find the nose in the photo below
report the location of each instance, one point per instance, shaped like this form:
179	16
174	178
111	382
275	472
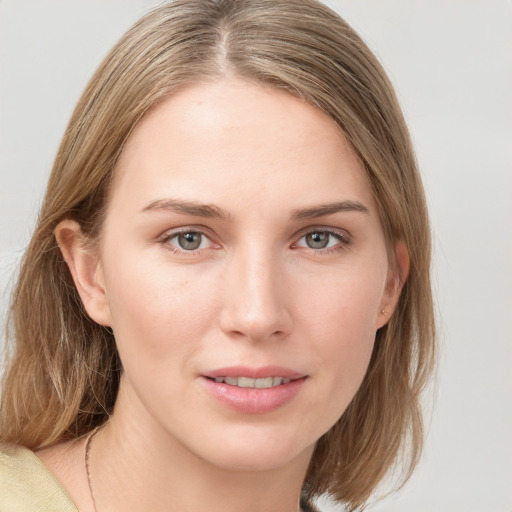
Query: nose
256	297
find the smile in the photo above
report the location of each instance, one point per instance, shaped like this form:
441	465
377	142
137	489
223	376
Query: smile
257	394
248	382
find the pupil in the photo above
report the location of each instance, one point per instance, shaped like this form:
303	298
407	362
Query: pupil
189	241
317	240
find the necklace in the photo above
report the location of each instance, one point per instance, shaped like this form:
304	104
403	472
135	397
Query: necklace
86	460
303	505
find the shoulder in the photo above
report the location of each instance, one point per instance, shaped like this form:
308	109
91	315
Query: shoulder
27	485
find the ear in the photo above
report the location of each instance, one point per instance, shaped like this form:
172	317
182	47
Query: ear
397	275
86	270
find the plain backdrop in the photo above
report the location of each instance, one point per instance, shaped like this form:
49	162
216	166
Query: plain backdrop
450	61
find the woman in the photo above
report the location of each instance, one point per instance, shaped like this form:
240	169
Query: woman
226	302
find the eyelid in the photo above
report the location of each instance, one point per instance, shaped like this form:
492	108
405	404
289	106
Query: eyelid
193	228
343	233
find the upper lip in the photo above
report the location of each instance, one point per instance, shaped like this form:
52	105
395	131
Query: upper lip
261	372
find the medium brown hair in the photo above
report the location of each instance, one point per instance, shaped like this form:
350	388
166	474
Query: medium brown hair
63	371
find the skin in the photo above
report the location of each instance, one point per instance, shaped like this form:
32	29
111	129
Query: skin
254	293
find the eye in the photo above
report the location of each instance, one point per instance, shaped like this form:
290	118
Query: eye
322	239
318	239
187	241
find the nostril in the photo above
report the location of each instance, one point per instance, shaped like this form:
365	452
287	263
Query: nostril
256	335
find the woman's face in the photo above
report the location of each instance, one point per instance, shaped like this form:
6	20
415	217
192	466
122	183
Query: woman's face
241	247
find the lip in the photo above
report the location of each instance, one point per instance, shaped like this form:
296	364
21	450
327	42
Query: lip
254	373
252	400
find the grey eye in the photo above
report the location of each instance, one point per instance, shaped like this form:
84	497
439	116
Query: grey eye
190	241
317	239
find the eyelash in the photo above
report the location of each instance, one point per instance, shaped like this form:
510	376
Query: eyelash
344	240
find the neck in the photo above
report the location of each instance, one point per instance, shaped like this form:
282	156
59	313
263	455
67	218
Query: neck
137	466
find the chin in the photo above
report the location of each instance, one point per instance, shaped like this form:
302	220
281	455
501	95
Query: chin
265	451
254	462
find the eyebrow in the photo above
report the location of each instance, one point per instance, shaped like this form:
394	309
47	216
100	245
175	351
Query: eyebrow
187	208
211	211
328	209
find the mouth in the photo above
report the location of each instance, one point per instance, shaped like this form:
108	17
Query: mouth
248	382
254	390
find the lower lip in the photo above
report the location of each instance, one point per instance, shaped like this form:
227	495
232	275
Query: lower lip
252	400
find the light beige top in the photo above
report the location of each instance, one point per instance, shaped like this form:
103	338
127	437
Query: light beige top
26	485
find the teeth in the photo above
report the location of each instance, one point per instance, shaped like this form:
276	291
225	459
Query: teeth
276	381
247	382
264	383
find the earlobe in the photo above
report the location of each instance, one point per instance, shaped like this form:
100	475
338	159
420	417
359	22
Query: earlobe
85	268
396	279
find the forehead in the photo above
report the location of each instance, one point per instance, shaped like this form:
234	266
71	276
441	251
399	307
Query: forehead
233	139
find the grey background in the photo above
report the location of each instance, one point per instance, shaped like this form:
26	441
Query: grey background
450	61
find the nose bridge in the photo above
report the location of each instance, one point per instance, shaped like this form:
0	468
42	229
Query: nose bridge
255	305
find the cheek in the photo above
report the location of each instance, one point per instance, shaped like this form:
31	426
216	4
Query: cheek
344	304
340	321
158	312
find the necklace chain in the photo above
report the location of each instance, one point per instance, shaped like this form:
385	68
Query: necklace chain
88	444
